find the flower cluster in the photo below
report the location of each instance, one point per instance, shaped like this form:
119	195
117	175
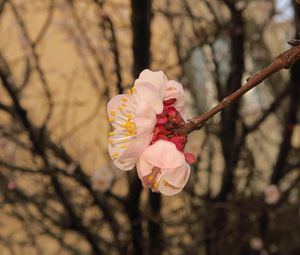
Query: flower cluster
144	121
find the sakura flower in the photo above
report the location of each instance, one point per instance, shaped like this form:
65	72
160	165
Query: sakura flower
256	243
102	178
71	168
144	121
11	185
272	195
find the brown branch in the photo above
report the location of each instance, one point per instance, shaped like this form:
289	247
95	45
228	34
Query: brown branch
37	62
107	24
284	61
2	4
46	25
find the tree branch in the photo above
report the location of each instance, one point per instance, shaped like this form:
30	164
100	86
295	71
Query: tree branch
283	61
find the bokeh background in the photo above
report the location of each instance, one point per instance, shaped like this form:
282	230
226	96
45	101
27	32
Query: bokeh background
60	63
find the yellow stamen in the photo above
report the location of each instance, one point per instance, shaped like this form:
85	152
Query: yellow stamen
110	141
150	177
170	89
124	105
116	154
113	113
111	133
120	108
129	92
128	115
123	146
111	119
130	127
124	99
155	185
133	89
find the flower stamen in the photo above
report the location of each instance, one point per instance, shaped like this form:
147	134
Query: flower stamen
116	154
123	140
150	177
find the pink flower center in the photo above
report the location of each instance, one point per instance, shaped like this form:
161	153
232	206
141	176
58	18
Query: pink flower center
166	122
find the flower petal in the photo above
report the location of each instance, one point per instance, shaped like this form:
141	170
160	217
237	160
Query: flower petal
163	154
157	79
168	190
145	118
146	92
143	168
136	147
125	157
147	173
173	181
115	152
175	90
177	177
118	107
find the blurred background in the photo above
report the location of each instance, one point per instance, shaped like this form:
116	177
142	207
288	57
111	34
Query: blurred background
60	63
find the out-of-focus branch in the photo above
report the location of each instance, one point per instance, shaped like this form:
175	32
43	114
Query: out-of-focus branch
2	4
108	24
37	63
291	116
272	108
90	47
141	37
6	78
5	108
284	61
40	143
46	24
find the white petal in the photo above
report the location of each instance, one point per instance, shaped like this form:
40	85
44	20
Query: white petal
168	190
126	158
157	79
164	154
172	182
113	109
175	90
177	177
136	147
115	152
143	168
146	92
145	118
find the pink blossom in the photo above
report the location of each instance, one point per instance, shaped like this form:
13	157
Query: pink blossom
272	195
144	121
102	178
11	185
256	243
